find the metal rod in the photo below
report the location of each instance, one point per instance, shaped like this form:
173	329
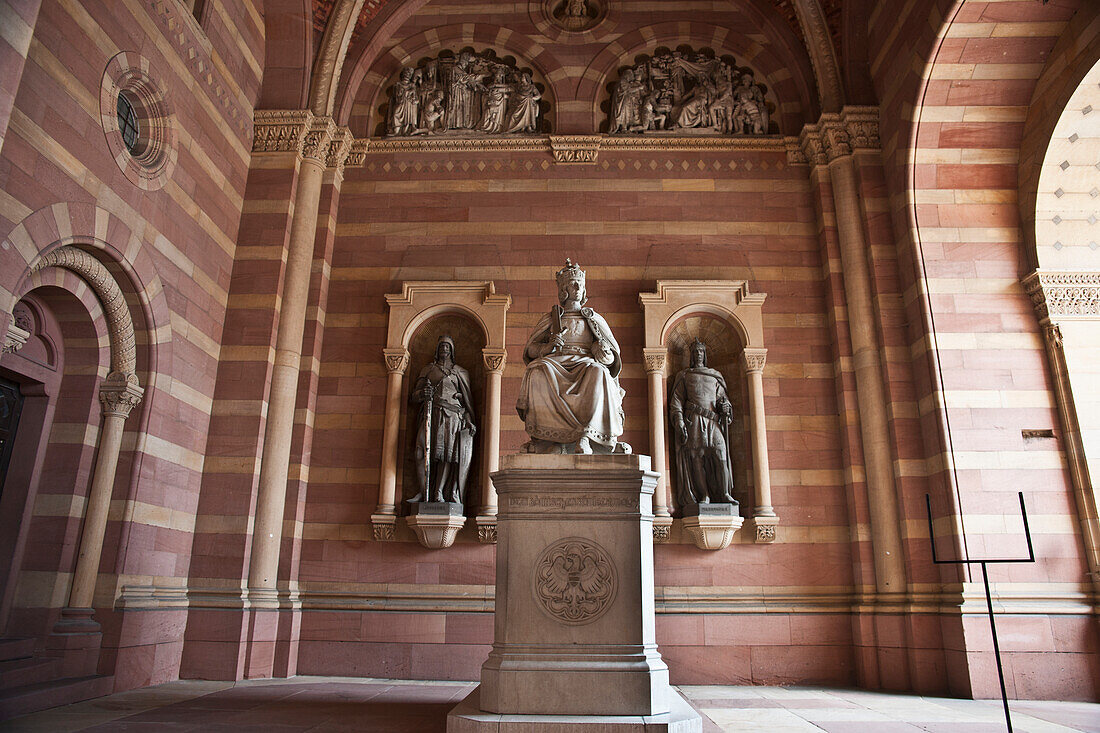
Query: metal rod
996	648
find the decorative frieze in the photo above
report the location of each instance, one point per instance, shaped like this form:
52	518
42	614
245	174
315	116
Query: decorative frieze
1064	295
280	130
582	149
689	93
468	94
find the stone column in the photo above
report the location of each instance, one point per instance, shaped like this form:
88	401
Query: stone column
118	394
763	514
494	369
655	360
279	430
385	517
832	141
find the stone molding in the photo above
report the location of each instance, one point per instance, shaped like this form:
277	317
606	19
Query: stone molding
120	327
1064	295
952	600
836	135
573	149
823	56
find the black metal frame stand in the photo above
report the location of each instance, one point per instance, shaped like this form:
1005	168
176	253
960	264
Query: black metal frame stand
988	598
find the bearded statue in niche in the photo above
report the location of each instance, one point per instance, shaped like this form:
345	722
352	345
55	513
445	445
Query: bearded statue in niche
700	414
689	94
444	428
464	96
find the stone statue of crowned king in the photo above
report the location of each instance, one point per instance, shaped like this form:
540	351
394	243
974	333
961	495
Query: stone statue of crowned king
570	400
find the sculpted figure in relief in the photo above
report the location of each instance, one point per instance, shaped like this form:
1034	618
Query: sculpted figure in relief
690	94
468	95
444	428
570	399
699	416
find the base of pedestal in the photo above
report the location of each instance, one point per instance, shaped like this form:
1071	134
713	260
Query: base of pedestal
467	717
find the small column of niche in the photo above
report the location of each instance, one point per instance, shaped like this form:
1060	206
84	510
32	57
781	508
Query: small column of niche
418	303
666	312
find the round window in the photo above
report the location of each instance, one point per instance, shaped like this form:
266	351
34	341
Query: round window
128	124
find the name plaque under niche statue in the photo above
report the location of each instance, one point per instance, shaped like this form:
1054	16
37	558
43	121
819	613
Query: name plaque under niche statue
574	627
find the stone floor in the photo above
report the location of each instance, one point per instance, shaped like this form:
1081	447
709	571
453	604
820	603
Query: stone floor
331	704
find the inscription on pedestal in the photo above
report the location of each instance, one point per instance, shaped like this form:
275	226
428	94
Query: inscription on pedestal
575	581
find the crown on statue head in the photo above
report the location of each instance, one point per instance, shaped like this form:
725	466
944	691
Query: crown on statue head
570	272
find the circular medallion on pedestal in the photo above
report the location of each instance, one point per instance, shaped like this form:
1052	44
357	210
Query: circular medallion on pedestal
575	581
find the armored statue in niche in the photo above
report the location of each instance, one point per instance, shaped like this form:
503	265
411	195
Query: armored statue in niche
444	428
699	417
686	93
471	94
570	400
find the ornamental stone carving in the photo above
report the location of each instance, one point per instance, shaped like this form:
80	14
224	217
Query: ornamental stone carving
1064	294
397	360
465	95
575	581
688	93
120	327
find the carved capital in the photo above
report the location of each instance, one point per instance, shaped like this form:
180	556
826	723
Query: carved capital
1064	295
397	360
836	141
655	359
575	149
494	360
357	154
15	337
384	527
280	130
863	134
765	533
765	525
119	394
318	139
339	148
662	533
813	149
795	154
755	359
487	533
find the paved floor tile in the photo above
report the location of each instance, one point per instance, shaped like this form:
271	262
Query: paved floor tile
351	705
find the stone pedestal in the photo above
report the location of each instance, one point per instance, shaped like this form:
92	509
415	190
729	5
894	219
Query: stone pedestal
712	526
574	625
436	523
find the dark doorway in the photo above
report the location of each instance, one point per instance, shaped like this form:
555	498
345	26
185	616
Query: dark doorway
11	404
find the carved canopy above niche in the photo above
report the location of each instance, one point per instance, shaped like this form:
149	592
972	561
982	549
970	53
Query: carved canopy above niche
688	92
464	94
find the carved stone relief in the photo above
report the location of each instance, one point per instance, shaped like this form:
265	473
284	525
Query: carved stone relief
576	16
468	94
575	581
688	93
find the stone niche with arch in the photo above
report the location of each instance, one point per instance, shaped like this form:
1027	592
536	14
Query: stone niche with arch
473	314
726	316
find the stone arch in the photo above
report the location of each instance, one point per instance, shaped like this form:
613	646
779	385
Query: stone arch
288	51
1062	128
773	64
372	82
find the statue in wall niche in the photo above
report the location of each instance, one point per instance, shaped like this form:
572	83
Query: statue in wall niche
444	428
689	94
699	417
468	95
570	400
